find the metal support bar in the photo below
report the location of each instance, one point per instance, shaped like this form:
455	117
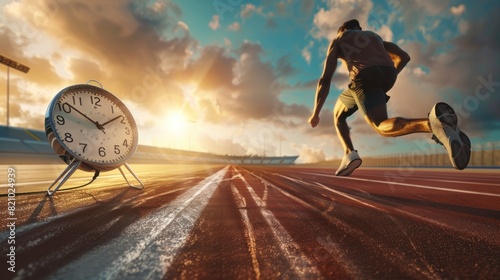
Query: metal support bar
72	167
133	174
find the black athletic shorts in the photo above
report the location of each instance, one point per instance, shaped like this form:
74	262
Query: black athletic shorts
368	89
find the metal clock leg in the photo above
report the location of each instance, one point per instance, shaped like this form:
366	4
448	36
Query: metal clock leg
72	167
133	174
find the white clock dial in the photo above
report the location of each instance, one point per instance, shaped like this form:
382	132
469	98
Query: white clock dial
93	126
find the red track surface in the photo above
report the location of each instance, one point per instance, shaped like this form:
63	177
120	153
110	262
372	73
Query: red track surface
263	222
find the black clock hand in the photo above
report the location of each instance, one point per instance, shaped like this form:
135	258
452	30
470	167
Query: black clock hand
99	126
91	120
113	119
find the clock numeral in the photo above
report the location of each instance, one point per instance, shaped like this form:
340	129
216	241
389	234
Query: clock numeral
60	120
127	130
64	107
79	99
84	146
112	109
95	101
102	151
68	137
123	120
125	143
117	149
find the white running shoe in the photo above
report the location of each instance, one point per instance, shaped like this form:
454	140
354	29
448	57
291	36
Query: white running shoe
350	162
444	126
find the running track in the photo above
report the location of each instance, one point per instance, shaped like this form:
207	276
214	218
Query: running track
257	222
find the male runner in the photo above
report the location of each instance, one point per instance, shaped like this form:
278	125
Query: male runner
373	66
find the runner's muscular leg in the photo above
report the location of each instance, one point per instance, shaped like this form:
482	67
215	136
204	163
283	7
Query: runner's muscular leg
397	126
340	120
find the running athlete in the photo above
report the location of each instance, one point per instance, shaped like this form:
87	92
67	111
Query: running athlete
373	66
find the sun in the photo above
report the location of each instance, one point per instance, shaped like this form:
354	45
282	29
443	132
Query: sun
176	121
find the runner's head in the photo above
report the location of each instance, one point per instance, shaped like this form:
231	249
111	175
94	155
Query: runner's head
349	25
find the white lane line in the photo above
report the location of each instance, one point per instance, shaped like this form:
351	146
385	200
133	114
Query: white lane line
147	248
333	191
337	250
299	263
465	182
331	247
238	198
406	185
328	189
434	179
264	196
418	216
249	233
349	197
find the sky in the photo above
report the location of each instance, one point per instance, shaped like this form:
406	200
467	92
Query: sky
239	77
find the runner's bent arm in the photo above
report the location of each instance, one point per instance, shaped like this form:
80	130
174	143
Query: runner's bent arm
400	57
324	83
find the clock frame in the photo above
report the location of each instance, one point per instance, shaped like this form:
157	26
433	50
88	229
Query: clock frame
92	130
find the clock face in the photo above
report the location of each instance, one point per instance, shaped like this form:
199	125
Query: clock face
93	125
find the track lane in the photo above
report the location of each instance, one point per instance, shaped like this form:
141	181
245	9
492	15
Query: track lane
453	224
344	226
259	222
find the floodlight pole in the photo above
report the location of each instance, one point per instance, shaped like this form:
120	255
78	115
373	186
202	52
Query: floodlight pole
16	65
8	87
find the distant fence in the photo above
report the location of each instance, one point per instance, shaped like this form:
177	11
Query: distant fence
484	155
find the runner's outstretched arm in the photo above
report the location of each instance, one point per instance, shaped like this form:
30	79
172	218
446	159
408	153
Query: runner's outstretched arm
323	88
400	57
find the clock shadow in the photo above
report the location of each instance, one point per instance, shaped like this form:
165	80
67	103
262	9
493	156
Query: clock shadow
38	209
48	203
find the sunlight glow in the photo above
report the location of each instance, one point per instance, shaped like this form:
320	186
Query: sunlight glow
176	121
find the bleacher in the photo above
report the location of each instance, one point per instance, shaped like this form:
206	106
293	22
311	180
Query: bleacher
26	142
286	160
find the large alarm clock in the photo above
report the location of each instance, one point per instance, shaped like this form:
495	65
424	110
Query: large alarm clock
90	125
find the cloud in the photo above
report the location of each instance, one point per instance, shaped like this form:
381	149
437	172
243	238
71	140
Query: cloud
419	72
249	9
460	76
132	56
411	20
214	24
145	53
235	26
150	59
212	70
308	154
328	21
440	70
256	84
161	14
284	66
182	27
386	33
457	10
306	52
